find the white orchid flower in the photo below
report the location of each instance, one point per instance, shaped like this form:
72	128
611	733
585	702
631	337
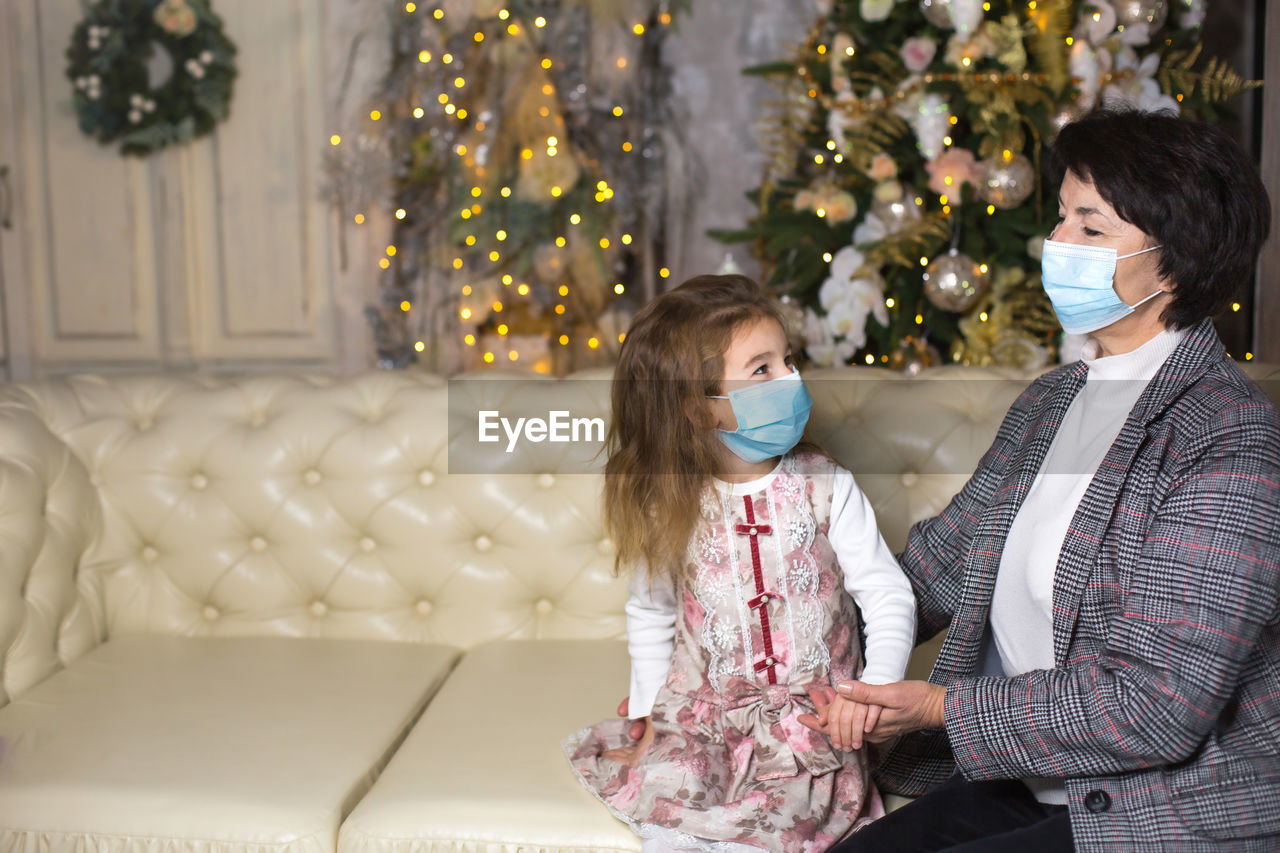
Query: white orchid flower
1099	19
1139	88
870	230
821	343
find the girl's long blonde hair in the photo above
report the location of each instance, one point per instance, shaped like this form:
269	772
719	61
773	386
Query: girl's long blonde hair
662	448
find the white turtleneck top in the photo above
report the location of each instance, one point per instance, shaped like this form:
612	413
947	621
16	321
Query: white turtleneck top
1022	606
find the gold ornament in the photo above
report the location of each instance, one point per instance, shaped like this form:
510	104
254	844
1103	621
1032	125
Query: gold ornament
175	17
1018	349
913	355
953	282
1150	12
1007	180
1011	326
898	213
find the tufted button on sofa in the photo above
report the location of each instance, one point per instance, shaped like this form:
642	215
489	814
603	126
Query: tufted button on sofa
294	613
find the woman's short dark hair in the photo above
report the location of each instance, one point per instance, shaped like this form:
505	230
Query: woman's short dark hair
1187	185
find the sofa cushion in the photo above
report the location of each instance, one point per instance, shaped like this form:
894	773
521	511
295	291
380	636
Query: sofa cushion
169	744
483	771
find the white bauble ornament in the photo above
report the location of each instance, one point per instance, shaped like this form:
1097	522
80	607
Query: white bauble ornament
1007	183
1191	12
954	282
1149	12
938	12
1062	117
964	16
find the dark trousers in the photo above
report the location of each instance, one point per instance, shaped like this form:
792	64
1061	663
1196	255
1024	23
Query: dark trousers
968	817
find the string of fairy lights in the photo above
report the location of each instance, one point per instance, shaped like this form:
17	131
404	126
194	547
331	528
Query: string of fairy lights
500	295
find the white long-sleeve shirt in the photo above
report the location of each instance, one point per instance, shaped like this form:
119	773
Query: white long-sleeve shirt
1022	605
872	577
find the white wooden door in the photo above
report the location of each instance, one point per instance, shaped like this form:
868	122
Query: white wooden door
212	256
83	217
259	230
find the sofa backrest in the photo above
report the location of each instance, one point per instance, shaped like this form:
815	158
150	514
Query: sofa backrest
305	505
302	506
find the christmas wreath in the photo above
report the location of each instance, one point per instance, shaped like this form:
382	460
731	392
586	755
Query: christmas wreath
150	73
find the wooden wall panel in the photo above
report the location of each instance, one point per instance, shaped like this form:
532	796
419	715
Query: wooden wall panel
89	252
260	230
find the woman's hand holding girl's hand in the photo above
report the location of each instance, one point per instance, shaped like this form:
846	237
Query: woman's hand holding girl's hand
843	720
906	706
630	755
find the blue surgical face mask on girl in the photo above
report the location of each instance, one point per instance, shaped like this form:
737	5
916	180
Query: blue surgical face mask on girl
1080	282
771	417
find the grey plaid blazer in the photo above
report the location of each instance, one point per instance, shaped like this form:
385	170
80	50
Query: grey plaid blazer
1162	711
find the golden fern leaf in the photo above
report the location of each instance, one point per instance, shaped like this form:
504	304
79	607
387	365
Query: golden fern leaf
1001	109
891	68
1024	91
920	239
873	134
887	128
865	81
1047	32
1220	82
781	133
1175	74
1216	82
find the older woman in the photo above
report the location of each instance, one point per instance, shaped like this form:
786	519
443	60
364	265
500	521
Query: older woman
1110	575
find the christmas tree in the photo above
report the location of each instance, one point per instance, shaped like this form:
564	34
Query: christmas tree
903	210
526	150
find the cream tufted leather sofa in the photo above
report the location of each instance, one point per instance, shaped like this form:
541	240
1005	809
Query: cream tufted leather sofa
272	613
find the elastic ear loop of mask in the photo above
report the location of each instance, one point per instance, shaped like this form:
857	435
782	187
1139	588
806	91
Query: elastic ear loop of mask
794	372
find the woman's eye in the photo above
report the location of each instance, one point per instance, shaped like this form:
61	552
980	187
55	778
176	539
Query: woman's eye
1089	232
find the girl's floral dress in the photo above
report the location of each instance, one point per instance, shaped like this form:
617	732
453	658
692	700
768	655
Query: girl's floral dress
764	618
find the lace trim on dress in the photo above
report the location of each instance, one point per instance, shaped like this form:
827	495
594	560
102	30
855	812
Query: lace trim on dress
713	590
801	577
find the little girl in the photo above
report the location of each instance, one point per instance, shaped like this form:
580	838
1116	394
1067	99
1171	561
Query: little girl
750	550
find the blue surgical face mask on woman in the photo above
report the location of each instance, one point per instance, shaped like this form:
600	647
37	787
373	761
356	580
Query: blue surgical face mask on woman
771	417
1080	282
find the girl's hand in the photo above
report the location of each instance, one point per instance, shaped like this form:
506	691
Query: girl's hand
630	755
848	721
636	730
822	698
837	718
